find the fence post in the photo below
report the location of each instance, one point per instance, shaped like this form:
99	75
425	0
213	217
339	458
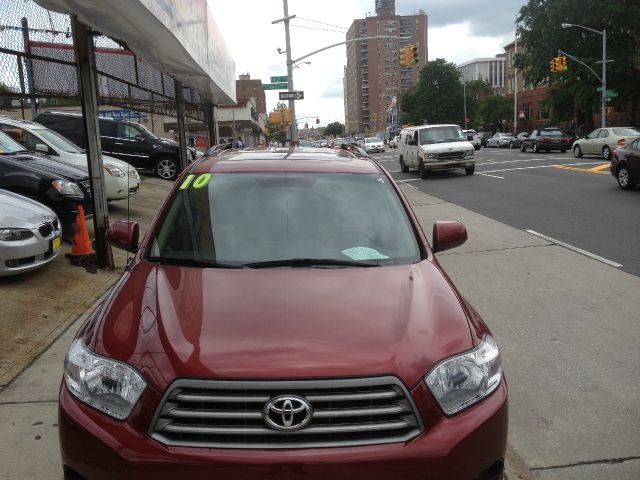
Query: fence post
29	69
86	70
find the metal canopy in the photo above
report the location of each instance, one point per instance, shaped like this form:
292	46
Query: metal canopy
178	37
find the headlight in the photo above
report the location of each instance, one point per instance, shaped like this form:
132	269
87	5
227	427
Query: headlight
15	234
66	188
108	385
467	378
432	155
114	171
468	153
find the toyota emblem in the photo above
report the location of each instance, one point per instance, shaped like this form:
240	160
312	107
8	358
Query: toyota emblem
287	413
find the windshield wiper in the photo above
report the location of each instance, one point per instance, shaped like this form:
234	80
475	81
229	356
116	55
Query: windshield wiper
11	153
194	262
311	262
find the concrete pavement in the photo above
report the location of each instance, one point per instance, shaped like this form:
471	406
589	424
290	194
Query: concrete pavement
566	325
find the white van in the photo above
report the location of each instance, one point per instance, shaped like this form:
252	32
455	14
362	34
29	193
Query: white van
435	147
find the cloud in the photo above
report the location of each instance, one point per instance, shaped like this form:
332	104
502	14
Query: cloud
333	90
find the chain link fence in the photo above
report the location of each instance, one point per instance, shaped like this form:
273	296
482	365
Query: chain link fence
37	69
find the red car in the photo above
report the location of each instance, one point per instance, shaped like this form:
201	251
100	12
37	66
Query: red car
284	317
625	164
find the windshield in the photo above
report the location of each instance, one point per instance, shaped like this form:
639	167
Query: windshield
57	141
625	131
372	140
9	145
450	133
148	132
240	218
551	133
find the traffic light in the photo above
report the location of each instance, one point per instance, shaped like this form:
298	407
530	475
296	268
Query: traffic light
562	64
403	56
317	120
553	65
414	54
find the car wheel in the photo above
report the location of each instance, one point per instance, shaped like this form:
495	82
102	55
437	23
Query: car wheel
606	152
577	151
523	148
470	170
403	166
624	180
535	148
477	147
422	170
167	168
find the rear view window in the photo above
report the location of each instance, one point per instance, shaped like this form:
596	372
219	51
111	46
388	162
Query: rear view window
253	217
625	131
551	133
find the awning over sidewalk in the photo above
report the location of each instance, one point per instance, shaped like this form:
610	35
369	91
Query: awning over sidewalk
178	37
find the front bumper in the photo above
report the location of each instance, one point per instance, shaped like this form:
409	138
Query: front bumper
446	164
462	447
25	255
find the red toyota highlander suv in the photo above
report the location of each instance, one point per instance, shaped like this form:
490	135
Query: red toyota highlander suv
284	318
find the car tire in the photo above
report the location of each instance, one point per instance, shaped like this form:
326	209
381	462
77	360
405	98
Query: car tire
606	152
523	148
577	151
167	168
403	166
535	148
470	170
422	171
623	177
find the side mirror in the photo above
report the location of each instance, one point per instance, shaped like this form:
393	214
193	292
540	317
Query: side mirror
448	235
41	147
123	235
140	138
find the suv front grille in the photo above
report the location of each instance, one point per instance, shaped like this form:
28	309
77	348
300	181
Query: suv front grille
448	155
229	414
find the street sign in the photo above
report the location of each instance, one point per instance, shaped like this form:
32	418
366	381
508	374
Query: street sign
599	89
279	79
275	86
295	95
612	93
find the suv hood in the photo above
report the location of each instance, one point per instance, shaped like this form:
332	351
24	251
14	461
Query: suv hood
170	322
45	165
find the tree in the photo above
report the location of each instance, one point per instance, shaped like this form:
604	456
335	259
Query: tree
494	110
477	92
437	97
334	129
541	36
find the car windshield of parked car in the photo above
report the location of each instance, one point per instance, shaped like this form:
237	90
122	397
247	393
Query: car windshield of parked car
9	145
625	131
551	133
243	218
372	140
57	141
441	134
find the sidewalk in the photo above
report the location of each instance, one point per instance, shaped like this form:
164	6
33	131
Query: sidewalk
568	330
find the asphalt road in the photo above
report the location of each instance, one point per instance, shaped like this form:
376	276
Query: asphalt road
572	200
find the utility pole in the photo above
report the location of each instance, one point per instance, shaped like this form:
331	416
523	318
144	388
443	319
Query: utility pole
515	88
29	66
292	103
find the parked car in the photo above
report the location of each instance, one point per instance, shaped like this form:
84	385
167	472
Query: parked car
484	136
545	140
393	142
128	141
373	144
517	140
500	139
305	143
474	138
625	164
318	373
30	234
603	141
120	178
570	134
58	186
435	147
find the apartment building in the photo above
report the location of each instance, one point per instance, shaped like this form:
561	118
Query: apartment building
374	76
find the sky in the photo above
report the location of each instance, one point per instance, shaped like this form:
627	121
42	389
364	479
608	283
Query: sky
457	30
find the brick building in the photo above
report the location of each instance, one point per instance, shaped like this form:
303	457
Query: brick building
374	76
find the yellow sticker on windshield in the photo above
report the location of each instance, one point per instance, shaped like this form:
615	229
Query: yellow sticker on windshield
199	182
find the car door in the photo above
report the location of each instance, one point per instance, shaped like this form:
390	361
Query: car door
130	145
601	141
633	160
589	145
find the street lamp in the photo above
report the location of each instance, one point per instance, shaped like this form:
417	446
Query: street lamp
604	66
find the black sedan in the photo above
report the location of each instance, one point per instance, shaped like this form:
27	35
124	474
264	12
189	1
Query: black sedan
545	140
58	186
625	164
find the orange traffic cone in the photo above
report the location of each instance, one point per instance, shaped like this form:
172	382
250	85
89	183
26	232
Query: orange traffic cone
81	251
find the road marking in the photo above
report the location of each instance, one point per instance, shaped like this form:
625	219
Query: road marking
529	168
597	169
409	180
493	176
575	249
525	160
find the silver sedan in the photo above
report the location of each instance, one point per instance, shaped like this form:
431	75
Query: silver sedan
500	139
30	234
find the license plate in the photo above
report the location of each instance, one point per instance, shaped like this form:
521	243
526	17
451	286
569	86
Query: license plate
55	243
